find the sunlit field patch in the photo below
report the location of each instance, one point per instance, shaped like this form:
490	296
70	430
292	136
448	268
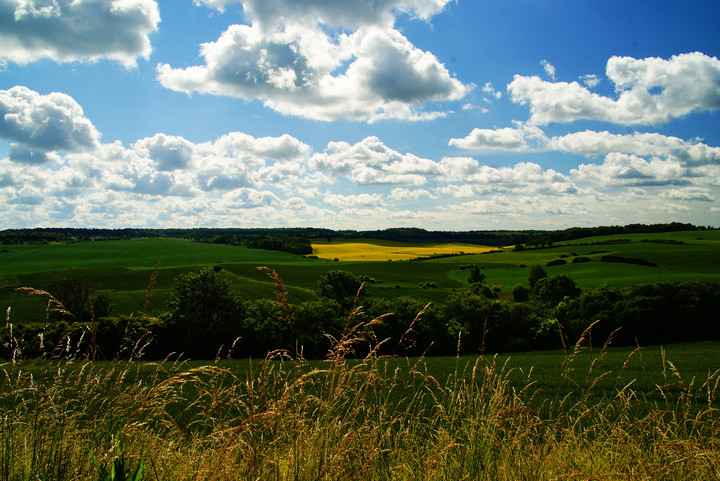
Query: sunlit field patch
378	250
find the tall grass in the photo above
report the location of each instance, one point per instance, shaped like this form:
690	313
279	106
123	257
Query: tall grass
284	418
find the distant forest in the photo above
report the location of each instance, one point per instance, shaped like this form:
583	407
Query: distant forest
297	239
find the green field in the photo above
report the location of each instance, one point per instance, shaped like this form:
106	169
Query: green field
123	268
557	374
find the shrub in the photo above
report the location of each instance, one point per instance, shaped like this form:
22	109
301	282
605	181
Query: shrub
580	259
627	260
484	291
556	262
520	293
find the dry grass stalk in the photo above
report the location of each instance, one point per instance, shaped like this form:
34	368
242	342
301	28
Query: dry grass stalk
151	284
350	418
409	331
59	307
282	299
339	420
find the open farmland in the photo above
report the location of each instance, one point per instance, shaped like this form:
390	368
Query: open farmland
680	257
122	268
353	250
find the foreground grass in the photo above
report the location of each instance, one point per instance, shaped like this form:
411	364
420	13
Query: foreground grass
362	419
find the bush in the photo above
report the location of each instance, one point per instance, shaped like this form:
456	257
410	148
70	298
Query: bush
580	259
520	293
483	290
556	262
628	260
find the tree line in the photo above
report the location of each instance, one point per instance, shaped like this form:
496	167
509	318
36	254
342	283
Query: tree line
206	319
400	234
573	233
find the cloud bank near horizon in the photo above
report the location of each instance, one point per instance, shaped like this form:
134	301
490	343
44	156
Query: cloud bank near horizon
348	63
59	171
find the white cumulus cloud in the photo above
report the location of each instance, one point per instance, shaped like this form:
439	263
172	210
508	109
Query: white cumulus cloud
620	169
590	80
371	162
649	91
71	30
353	200
521	138
168	152
641	144
287	59
348	13
37	125
490	90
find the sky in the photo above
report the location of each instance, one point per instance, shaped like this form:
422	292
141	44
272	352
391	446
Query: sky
350	114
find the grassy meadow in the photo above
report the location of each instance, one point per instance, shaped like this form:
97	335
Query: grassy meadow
122	268
609	414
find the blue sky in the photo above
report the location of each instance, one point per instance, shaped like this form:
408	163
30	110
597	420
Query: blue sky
440	114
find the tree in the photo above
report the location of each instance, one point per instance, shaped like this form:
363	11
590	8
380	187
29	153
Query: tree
76	297
520	293
341	286
552	290
315	321
477	283
488	325
102	307
264	328
475	275
204	312
480	289
536	273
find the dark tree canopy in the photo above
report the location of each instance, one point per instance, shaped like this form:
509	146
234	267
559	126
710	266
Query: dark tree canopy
552	290
202	302
520	293
340	286
76	297
475	275
536	273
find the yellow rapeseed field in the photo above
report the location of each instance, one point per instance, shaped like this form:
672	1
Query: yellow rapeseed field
378	250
